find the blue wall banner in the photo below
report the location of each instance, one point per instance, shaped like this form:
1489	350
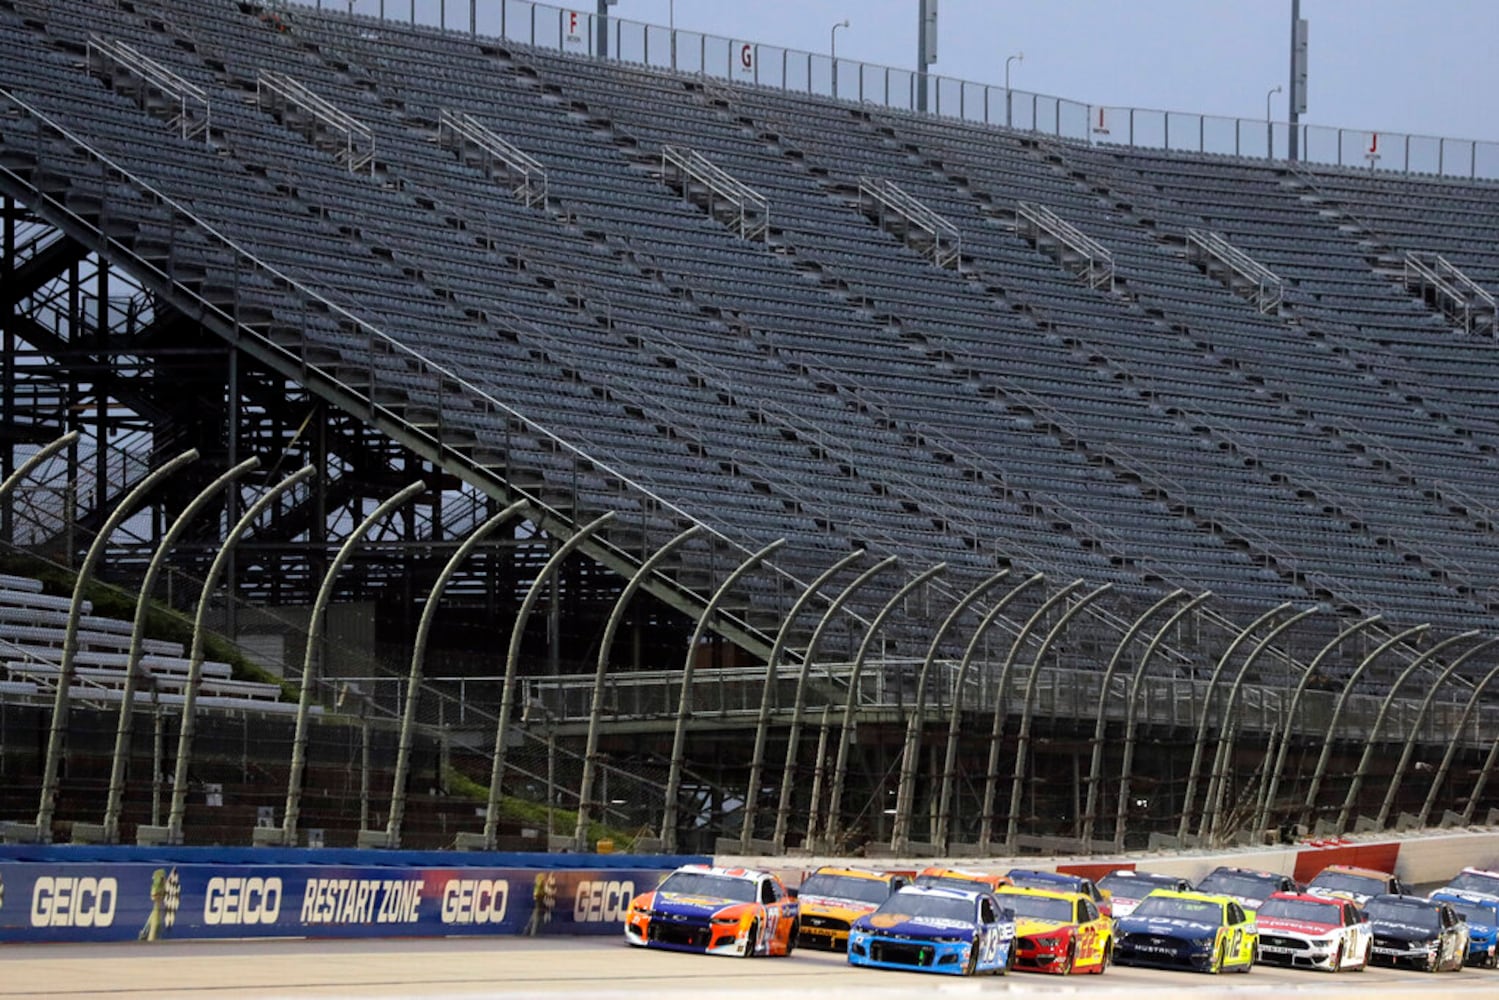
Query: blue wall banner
90	901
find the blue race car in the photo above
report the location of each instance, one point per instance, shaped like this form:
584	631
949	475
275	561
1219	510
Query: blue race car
1482	914
958	932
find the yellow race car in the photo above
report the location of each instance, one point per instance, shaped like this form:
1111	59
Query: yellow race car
832	898
1058	932
1187	930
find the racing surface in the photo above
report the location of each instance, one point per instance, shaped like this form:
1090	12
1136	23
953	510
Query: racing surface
606	968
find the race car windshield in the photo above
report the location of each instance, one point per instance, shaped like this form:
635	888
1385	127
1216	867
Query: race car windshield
919	905
740	890
1199	911
866	890
1300	909
1234	884
1038	880
1135	886
1410	914
1475	882
1040	907
1343	882
1476	913
950	882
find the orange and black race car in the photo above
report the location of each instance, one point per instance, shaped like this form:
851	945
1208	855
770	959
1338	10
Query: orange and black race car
832	898
938	877
715	911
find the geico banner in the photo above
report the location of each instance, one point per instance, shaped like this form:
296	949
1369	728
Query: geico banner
127	901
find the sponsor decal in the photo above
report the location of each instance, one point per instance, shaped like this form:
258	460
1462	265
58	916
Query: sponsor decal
74	902
602	901
360	901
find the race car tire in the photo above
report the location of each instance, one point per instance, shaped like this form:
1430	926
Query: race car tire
751	939
1218	958
1066	967
972	965
1108	957
1337	961
791	940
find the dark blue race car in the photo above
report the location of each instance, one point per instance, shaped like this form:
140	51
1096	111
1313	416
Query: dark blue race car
959	932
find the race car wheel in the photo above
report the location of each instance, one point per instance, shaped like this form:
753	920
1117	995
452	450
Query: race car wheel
750	939
1108	956
791	940
972	965
1337	960
1066	967
1217	964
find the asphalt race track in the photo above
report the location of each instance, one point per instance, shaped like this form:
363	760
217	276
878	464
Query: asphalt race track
605	968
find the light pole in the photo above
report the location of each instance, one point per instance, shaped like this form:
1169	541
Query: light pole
833	52
1269	128
671	29
1017	57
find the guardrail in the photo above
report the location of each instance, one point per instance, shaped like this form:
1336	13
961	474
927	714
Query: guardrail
745	61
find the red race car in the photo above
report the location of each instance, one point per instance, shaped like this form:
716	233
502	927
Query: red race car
715	911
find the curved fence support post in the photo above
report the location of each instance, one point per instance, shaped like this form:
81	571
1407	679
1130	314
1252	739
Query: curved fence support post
60	704
1310	805
1023	739
391	837
1218	781
684	701
1357	783
900	836
767	692
172	833
310	671
486	840
41	455
1095	766
996	730
840	769
596	703
1451	752
114	804
943	833
1410	743
1121	807
1207	704
1272	776
783	808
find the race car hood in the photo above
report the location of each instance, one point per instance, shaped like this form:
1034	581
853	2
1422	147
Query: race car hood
915	927
1286	925
834	906
1166	927
1031	926
1404	932
691	906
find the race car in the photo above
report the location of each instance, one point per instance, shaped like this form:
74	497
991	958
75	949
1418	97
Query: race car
960	878
1313	932
1059	932
1127	886
1186	930
1357	884
1246	886
832	898
1063	882
1424	934
1482	915
715	911
959	932
1475	882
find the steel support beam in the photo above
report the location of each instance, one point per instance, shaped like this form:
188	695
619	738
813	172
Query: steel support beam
684	701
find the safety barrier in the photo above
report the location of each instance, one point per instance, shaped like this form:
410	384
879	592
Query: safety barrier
98	894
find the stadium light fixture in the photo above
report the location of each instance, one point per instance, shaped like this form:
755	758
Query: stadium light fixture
833	52
1009	104
1269	128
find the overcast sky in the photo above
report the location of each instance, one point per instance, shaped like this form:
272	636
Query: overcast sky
1419	66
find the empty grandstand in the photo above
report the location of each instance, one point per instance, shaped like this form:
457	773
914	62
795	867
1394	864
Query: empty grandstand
846	475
